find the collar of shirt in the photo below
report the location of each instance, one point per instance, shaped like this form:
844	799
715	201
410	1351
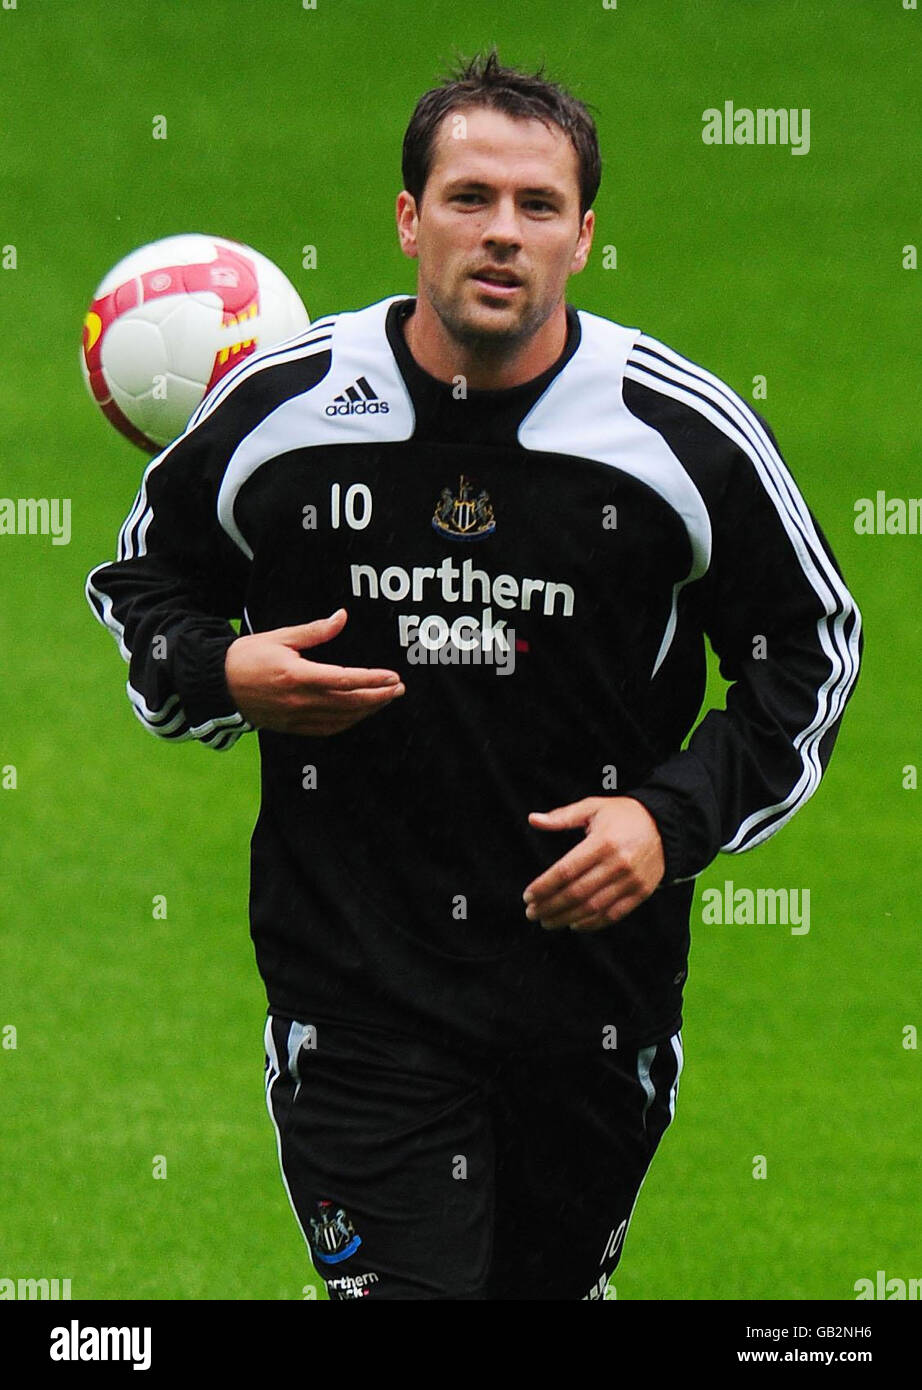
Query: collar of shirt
480	416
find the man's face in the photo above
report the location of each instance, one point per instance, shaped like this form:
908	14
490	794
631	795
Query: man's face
498	230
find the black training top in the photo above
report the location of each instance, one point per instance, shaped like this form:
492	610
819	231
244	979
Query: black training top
540	564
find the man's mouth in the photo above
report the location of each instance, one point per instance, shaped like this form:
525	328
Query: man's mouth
497	281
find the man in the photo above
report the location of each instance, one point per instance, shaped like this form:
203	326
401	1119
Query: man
479	832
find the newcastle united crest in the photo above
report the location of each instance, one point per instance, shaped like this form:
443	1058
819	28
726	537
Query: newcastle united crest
333	1236
467	516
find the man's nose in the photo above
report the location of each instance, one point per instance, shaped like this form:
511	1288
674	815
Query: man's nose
502	226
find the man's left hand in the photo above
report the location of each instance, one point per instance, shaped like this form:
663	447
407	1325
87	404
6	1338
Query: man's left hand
617	866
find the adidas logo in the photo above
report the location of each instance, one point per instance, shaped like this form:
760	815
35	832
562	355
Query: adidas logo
357	399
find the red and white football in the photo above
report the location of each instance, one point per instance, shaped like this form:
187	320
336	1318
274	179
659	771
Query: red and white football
173	318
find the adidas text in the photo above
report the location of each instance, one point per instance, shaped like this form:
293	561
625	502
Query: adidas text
357	408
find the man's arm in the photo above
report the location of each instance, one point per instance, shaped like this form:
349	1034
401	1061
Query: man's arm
169	596
787	633
788	636
178	581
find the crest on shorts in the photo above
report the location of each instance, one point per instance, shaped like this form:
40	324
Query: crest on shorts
466	515
333	1236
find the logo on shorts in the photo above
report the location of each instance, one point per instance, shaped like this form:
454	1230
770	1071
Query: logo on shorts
333	1236
603	1288
465	517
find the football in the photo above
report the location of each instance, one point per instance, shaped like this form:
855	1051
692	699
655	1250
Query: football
170	320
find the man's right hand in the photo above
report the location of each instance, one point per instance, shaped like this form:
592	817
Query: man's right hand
275	688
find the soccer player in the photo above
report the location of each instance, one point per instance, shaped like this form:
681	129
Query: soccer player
479	833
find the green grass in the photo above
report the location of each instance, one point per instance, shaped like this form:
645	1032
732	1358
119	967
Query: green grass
140	1037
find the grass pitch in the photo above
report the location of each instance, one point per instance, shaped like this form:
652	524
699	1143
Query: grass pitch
140	1038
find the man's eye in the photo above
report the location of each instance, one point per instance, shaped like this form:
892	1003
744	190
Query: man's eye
539	205
467	198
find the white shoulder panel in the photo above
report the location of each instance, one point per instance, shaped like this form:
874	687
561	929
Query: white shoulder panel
582	413
363	375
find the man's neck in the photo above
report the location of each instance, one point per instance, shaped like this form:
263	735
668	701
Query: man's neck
446	359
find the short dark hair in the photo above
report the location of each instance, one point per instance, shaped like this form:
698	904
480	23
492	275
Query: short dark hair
483	81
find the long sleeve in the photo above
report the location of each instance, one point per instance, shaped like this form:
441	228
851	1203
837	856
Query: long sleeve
179	578
787	633
168	597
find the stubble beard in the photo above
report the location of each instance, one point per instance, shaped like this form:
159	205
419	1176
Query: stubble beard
491	344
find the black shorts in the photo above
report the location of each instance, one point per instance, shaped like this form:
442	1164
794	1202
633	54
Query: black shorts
415	1173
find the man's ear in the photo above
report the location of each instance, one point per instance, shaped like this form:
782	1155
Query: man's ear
407	223
584	244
